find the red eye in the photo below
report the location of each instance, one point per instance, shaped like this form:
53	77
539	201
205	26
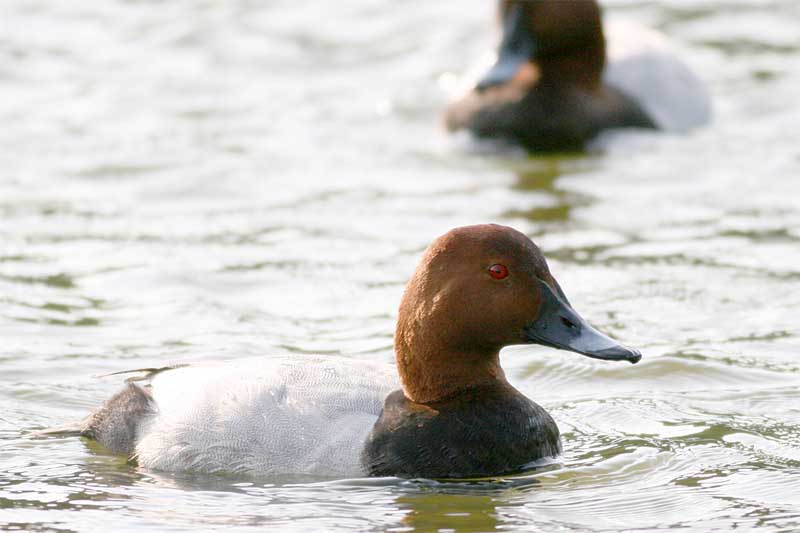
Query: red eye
498	271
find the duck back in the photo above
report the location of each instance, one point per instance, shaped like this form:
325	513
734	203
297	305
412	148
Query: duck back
264	416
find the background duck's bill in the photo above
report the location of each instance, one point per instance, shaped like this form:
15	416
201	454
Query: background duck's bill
516	47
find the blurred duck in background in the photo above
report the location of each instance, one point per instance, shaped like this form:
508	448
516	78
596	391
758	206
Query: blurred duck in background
560	78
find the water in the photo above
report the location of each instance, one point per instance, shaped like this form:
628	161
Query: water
203	180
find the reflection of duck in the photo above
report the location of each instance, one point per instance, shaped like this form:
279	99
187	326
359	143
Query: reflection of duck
464	505
464	511
476	290
551	87
551	201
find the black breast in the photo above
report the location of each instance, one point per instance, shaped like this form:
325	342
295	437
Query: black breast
481	432
556	118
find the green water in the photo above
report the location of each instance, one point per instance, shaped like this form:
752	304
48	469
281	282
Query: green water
202	180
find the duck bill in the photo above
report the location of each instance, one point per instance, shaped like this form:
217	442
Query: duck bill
559	326
516	48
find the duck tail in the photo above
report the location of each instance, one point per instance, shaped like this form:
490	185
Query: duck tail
71	429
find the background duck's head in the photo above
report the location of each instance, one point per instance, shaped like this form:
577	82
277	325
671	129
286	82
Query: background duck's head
563	39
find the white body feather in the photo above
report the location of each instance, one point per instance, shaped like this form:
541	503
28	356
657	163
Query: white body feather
643	65
265	415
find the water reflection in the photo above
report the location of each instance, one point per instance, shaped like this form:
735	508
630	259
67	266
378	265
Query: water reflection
542	175
460	506
61	487
436	512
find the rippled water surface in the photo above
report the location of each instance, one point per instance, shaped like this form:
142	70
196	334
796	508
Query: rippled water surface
196	180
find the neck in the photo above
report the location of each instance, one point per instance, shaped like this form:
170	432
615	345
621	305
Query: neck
430	373
583	68
570	42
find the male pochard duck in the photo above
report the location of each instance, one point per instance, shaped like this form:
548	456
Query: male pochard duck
452	413
552	87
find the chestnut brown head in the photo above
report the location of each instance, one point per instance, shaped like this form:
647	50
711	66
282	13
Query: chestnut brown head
476	290
563	38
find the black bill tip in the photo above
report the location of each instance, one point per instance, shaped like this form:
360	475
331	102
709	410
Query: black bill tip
618	353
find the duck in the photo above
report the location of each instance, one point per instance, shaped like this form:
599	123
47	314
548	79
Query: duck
444	410
557	82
